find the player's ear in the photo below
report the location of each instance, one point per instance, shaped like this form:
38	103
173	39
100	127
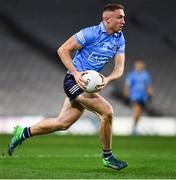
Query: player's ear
106	19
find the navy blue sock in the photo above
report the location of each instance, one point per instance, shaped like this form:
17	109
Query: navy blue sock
107	153
26	133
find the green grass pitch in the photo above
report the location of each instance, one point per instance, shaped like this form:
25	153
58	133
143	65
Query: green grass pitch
79	157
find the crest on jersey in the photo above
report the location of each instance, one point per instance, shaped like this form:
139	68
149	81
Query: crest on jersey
115	47
105	45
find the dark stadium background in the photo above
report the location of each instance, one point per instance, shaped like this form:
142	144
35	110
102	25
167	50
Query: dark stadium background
31	78
32	74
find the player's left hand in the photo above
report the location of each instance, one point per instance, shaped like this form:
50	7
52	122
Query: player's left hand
103	84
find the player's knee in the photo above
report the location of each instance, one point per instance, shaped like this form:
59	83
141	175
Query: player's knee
108	115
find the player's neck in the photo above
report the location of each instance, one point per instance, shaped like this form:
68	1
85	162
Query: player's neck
109	30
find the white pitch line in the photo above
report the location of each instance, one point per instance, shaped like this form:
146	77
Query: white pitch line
55	156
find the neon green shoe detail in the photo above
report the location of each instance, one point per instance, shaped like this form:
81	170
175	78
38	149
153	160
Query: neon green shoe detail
16	140
114	163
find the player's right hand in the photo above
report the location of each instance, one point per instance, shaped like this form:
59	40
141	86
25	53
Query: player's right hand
79	80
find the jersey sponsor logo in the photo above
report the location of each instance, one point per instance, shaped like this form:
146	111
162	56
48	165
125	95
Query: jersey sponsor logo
99	57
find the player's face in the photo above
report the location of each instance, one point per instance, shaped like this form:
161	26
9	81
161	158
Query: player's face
116	20
139	66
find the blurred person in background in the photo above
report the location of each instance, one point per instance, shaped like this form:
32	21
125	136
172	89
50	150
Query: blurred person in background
138	91
94	47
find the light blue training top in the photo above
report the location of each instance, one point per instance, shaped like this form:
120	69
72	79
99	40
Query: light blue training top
98	47
138	83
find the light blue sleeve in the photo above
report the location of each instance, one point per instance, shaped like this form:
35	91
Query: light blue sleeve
85	36
121	49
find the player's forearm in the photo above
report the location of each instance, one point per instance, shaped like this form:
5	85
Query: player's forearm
150	91
116	74
66	59
118	67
